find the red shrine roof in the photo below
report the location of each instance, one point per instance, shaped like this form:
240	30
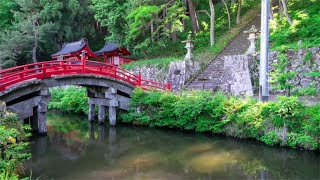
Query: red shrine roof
74	49
113	49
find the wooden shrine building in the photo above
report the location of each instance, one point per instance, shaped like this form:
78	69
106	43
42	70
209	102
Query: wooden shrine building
112	53
73	51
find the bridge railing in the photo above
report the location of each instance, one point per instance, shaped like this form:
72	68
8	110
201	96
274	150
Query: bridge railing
47	69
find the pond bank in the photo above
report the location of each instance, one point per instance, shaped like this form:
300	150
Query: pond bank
284	122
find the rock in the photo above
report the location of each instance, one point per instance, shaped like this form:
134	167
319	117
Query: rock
3	109
305	82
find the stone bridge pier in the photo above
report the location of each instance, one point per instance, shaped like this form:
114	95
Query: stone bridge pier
105	99
33	110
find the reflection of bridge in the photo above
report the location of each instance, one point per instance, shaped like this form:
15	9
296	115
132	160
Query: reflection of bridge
25	89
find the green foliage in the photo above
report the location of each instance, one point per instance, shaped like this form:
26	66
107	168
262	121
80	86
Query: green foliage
302	140
6	15
70	99
305	27
13	145
271	138
282	77
203	111
310	90
111	14
157	62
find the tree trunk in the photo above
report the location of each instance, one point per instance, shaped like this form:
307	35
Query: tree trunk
229	19
212	19
285	11
193	16
271	11
280	10
174	36
35	46
239	12
152	31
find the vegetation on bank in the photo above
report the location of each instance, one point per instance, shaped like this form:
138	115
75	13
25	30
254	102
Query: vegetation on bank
284	122
13	145
69	99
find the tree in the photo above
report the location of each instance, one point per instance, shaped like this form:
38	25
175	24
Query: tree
212	24
112	15
239	12
285	11
228	13
193	16
30	21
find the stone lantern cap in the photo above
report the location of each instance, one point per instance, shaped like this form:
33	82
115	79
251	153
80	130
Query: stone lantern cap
252	30
188	41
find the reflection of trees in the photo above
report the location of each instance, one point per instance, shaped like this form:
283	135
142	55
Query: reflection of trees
134	151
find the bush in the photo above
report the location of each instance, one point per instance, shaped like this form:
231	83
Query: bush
203	111
13	145
271	138
69	99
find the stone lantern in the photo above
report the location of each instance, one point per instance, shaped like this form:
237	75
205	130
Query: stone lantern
189	46
253	34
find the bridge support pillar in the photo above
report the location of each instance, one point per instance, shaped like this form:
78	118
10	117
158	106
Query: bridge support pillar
103	98
91	115
42	109
111	94
101	114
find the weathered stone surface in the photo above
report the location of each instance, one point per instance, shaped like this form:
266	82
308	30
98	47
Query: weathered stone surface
298	62
177	73
237	74
180	72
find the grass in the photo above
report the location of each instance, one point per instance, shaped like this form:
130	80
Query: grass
157	62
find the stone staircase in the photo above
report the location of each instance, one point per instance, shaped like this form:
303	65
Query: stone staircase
212	78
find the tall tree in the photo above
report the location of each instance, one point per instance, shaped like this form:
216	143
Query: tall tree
112	15
228	13
285	11
193	16
239	12
212	23
29	21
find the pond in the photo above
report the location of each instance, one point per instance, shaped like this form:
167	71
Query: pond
75	149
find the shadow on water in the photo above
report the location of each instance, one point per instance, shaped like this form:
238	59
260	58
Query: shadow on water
75	149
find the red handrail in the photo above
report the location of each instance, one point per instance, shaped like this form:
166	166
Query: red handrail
48	69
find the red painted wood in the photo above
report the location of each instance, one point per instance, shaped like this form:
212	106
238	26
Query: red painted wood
48	69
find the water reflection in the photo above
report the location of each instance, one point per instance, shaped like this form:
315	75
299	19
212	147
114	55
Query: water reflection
75	149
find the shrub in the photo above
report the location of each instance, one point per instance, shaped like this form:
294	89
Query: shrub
271	138
71	98
13	146
203	111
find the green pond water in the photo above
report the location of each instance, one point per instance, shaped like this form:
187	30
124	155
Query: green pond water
75	149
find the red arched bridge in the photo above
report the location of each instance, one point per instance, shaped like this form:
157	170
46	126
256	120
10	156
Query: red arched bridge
48	69
25	89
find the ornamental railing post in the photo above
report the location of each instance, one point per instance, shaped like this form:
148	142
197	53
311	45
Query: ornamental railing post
44	70
139	81
83	61
115	71
168	86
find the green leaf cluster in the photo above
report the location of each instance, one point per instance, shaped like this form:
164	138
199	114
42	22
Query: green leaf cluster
284	122
13	145
69	99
